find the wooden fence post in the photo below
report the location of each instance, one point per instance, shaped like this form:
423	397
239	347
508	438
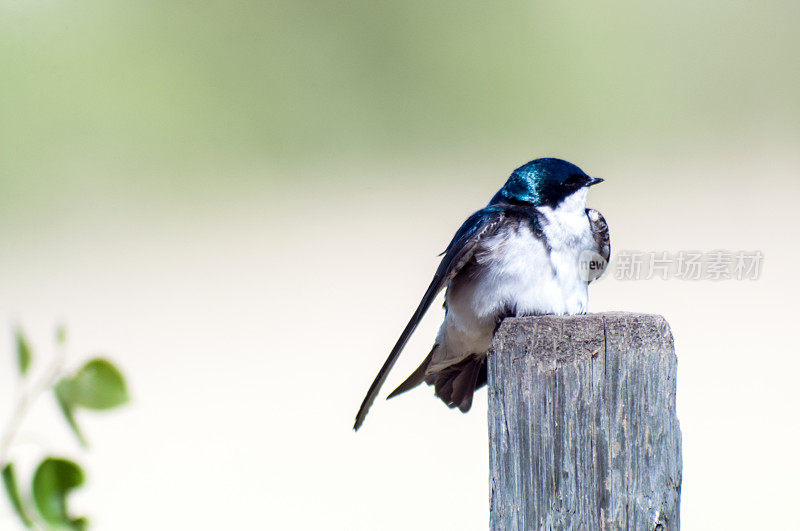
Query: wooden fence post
582	426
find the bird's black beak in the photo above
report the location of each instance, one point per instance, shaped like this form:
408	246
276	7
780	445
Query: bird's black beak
594	180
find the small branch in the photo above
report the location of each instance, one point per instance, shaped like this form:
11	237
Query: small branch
27	399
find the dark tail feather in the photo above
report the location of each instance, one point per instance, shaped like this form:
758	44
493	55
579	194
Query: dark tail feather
456	384
416	378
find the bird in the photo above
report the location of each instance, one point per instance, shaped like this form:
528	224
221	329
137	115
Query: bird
520	255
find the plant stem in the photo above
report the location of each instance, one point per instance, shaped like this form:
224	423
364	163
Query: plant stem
27	399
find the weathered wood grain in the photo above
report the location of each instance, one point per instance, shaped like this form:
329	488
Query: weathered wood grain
582	426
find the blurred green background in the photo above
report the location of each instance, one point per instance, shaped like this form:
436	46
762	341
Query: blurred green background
186	97
242	202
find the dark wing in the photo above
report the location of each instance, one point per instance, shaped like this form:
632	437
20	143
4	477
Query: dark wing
479	225
602	238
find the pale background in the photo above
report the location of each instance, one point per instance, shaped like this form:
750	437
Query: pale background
241	203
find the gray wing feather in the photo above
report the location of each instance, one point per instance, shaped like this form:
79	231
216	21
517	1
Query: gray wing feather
458	253
602	237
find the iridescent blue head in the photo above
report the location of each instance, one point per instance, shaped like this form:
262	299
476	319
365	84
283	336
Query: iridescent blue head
543	182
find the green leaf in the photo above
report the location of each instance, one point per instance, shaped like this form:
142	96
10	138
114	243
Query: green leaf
62	390
10	483
97	385
24	355
52	481
61	335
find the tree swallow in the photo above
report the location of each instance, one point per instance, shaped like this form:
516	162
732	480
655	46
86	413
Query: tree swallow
520	255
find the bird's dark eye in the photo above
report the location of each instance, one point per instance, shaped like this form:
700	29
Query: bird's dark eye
575	181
